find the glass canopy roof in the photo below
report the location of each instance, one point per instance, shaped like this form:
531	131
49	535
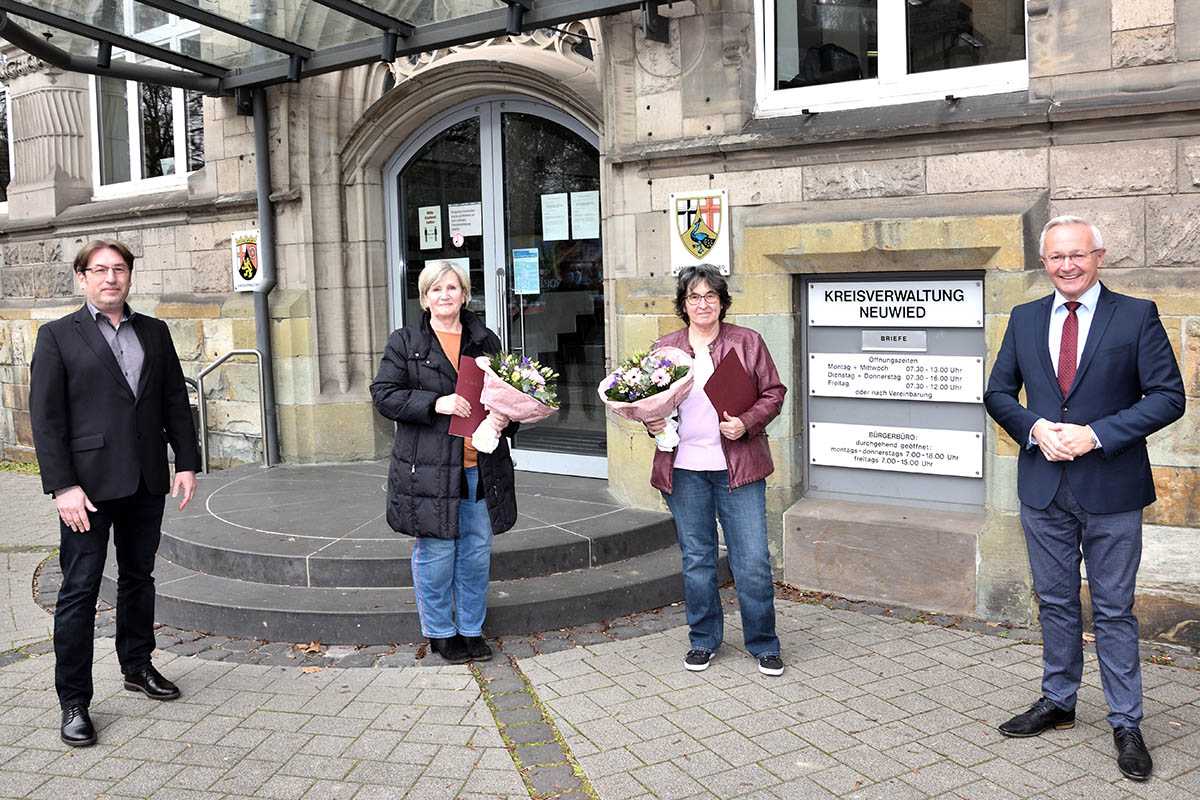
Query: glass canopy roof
223	45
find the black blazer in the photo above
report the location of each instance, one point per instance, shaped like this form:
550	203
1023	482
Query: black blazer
88	429
1127	387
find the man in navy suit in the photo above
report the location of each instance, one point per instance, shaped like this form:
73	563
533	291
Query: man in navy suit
1099	377
106	396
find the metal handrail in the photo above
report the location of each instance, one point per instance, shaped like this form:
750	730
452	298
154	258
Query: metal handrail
262	405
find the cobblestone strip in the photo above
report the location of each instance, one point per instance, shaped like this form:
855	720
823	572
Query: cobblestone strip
539	751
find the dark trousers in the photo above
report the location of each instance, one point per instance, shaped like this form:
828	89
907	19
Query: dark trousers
136	523
1110	545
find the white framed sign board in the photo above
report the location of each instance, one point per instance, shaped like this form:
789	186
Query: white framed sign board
887	376
896	304
699	229
927	450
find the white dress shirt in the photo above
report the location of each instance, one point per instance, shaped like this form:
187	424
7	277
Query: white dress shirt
1058	316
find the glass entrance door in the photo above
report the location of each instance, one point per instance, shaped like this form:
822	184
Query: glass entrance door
519	182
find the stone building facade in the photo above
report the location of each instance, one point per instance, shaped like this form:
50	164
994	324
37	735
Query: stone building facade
1103	121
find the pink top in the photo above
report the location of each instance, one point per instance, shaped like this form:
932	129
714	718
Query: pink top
699	437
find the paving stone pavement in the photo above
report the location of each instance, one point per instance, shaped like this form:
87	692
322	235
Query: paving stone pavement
875	703
871	706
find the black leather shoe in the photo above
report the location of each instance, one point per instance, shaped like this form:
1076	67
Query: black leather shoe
1041	716
477	648
1133	759
452	649
150	682
77	729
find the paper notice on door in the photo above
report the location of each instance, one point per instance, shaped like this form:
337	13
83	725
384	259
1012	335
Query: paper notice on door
525	271
466	218
585	215
555	223
429	220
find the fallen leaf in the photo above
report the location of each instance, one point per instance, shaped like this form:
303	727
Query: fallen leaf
310	669
993	624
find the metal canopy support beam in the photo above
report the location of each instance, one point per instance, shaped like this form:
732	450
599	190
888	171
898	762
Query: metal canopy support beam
474	28
115	39
37	46
226	25
655	27
370	16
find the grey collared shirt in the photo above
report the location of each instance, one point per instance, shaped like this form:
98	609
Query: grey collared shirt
126	348
124	343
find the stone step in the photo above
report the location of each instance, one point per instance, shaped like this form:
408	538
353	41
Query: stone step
211	603
344	542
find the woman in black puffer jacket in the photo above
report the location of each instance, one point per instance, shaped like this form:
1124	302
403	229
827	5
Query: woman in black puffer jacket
440	489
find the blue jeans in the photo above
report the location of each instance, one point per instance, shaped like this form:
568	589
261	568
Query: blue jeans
446	570
1057	537
697	500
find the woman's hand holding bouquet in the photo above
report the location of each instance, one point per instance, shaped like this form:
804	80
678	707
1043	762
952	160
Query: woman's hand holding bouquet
514	390
648	387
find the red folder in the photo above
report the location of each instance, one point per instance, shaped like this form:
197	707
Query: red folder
468	387
730	389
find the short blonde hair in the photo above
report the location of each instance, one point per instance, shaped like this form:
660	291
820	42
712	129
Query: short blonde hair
434	271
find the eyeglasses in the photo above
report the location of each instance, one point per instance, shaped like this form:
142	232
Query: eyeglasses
1058	259
708	298
100	272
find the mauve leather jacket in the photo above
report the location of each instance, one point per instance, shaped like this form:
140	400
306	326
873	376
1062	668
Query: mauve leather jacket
748	458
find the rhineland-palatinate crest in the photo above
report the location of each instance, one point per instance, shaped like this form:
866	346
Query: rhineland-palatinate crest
247	256
698	223
246	273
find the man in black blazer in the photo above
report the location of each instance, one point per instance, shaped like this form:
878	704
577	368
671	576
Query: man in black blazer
1099	377
106	396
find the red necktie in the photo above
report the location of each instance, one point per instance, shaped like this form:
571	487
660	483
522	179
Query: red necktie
1068	348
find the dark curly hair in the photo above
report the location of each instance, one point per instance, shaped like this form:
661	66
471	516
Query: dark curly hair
689	277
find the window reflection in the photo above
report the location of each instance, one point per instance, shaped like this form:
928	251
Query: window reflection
194	109
113	125
158	130
946	34
820	41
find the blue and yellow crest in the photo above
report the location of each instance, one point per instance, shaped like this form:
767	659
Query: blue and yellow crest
698	223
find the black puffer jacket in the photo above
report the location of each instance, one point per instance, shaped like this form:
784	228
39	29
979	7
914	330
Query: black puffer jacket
426	478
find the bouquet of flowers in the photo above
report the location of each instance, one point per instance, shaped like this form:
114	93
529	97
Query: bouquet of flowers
520	389
650	385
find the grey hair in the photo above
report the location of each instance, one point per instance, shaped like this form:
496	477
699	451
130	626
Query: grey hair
1066	219
434	271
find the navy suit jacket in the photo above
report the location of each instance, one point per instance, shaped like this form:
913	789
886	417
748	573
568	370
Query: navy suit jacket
1127	386
88	428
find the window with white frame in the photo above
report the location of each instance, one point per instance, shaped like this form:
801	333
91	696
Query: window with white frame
826	55
147	136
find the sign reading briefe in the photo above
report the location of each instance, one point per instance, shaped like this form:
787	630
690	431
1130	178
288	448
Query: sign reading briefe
925	304
929	450
883	376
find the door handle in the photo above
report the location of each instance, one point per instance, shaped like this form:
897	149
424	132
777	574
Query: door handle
502	302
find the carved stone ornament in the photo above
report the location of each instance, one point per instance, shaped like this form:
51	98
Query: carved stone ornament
14	68
561	41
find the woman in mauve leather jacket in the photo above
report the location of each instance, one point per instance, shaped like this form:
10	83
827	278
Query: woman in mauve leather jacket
718	472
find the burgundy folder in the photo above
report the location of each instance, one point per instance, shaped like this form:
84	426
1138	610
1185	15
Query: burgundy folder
730	388
468	387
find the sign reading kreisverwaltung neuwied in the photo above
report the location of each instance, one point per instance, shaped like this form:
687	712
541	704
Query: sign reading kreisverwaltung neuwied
699	229
247	276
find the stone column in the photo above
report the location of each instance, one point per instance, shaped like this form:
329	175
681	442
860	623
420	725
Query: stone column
52	163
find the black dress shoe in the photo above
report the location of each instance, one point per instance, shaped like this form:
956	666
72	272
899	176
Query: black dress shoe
452	649
477	648
1133	759
151	682
77	729
1041	716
